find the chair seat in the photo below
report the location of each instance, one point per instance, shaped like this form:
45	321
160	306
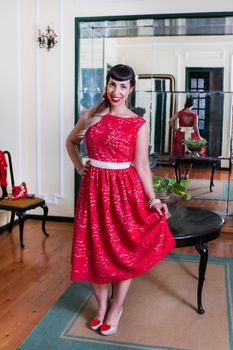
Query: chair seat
18	207
21	204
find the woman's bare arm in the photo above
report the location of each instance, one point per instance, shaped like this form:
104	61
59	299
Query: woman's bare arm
195	127
74	138
141	164
172	121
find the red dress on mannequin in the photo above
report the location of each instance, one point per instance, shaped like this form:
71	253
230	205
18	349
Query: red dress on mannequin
116	237
184	132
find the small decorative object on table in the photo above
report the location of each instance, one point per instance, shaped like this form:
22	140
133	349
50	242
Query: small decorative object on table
166	188
195	146
170	192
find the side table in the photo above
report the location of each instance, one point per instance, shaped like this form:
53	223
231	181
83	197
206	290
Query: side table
193	226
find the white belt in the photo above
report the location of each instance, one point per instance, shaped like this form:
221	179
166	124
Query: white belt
188	131
109	165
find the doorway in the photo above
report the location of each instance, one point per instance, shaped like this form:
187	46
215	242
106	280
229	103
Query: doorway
205	85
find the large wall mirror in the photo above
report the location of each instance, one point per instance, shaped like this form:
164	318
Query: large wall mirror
174	56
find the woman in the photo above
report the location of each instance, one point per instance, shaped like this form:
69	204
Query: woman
120	228
185	126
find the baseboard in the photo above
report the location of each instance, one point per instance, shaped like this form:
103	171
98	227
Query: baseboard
50	218
39	217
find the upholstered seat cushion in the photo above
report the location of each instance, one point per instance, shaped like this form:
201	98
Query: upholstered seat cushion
20	204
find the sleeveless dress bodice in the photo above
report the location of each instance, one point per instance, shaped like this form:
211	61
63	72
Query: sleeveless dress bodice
114	138
183	123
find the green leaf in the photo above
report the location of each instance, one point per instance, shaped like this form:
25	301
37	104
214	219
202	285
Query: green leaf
170	185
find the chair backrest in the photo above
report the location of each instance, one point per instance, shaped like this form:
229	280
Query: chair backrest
11	173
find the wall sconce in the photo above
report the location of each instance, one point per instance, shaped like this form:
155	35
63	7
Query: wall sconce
47	40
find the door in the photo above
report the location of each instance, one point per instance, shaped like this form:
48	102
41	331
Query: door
205	85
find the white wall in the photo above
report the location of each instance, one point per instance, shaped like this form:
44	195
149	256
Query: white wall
37	87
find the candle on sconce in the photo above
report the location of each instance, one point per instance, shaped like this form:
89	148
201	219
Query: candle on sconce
47	39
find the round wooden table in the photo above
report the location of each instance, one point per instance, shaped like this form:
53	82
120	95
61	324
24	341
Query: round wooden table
193	226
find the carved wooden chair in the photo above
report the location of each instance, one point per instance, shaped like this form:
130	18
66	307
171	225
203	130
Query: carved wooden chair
20	206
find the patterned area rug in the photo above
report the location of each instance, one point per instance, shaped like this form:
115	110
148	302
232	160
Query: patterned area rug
200	189
159	312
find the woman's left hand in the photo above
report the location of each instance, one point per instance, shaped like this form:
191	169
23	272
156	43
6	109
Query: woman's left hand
161	208
84	169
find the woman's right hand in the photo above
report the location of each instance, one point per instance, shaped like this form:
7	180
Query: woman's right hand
84	169
161	208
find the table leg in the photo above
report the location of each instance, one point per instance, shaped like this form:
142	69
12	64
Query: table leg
202	249
212	176
177	171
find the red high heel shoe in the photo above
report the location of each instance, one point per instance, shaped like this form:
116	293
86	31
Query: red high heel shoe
107	329
95	324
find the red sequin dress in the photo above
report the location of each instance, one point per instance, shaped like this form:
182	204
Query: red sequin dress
115	236
185	131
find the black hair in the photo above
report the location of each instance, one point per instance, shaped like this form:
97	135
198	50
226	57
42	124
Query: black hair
189	102
121	72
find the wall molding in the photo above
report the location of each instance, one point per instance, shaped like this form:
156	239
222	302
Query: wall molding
231	73
208	55
19	88
53	198
231	104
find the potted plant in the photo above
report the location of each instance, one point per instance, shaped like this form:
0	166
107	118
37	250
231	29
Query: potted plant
195	146
165	187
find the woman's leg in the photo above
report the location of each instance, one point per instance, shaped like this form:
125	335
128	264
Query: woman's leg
102	296
120	290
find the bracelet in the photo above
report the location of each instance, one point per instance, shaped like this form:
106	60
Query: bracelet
152	202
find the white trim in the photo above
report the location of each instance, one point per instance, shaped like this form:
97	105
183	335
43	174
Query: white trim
61	110
231	108
19	88
207	55
38	111
231	73
53	198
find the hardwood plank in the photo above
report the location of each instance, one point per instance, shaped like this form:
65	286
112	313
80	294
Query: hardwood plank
32	279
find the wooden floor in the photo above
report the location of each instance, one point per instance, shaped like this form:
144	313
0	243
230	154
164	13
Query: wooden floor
31	280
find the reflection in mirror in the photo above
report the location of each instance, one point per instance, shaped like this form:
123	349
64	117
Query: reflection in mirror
195	52
105	43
